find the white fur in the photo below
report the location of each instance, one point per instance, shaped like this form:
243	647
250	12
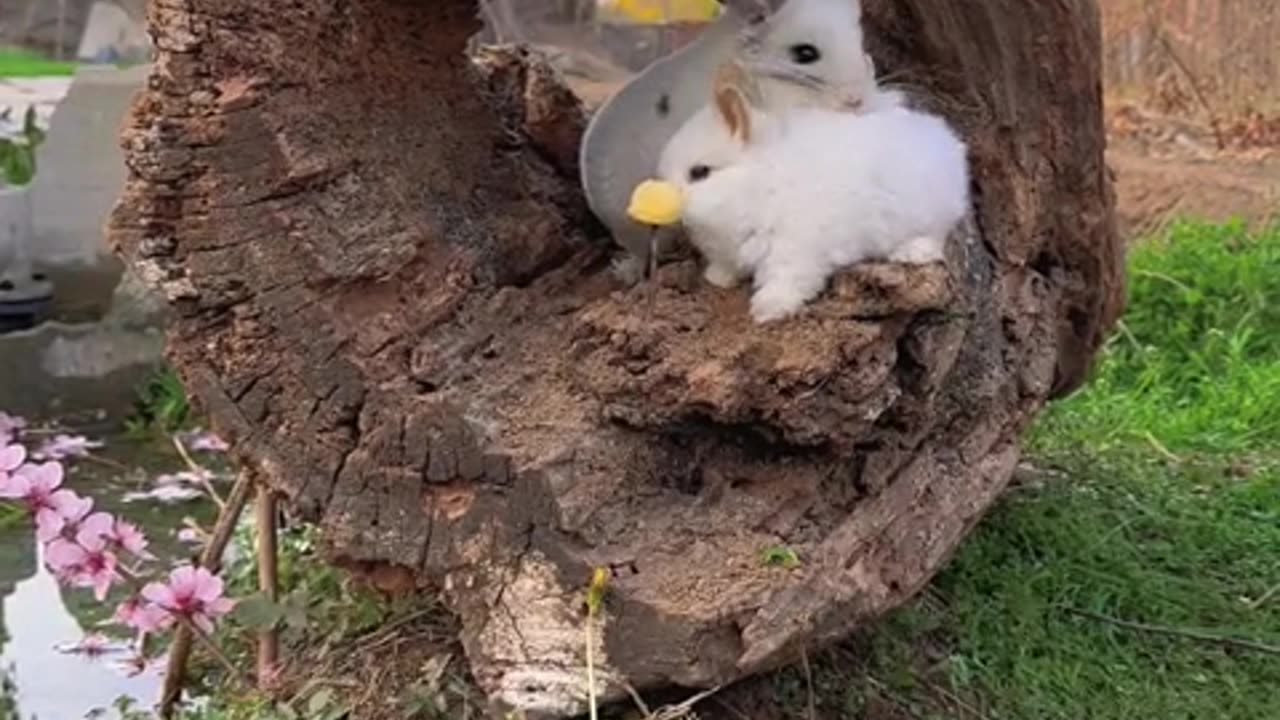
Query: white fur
844	76
813	191
621	144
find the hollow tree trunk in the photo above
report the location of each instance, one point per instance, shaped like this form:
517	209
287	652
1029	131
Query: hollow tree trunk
387	295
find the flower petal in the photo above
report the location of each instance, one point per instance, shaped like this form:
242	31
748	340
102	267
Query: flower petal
12	457
184	582
221	606
94	531
70	505
49	525
209	586
46	476
160	594
203	622
61	555
17	486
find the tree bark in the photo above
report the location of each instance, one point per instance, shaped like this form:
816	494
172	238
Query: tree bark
390	296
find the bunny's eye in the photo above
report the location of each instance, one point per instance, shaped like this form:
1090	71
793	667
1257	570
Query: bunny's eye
699	172
804	54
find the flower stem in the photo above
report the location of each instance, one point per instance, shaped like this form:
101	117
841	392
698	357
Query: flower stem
591	667
211	559
199	472
214	650
651	272
106	462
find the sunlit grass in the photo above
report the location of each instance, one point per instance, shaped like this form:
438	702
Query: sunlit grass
19	63
1157	503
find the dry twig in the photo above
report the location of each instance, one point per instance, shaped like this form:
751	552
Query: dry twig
211	558
268	581
1196	635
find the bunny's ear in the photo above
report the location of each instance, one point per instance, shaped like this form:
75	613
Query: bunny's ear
733	91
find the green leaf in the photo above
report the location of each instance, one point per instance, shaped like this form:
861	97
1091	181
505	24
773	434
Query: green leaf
780	556
256	612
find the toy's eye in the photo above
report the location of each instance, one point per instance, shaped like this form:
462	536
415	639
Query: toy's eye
804	54
699	172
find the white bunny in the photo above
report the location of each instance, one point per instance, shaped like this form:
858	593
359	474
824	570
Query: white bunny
788	198
808	53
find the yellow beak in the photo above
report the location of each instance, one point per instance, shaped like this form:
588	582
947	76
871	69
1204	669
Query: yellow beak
655	202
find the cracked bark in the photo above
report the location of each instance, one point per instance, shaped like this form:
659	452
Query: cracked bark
390	297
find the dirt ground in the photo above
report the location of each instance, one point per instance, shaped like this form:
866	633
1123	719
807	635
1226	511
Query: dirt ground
1166	168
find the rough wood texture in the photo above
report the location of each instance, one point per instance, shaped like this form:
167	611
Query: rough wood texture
388	296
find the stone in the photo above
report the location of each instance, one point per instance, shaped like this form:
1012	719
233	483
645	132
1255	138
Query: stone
112	35
105	338
57	369
80	167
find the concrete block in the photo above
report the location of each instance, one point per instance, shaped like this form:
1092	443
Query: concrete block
80	167
111	35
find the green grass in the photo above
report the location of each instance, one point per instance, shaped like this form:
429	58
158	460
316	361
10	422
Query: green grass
1195	364
162	406
1158	504
19	63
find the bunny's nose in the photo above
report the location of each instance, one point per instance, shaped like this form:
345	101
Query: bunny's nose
655	202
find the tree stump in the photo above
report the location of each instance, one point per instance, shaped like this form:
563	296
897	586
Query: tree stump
389	295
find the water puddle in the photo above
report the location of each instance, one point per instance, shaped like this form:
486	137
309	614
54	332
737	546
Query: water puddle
37	616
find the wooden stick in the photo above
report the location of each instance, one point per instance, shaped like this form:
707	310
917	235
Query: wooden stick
268	582
200	473
213	649
180	649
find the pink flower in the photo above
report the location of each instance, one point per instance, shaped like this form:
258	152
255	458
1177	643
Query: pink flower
192	592
189	535
185	477
92	646
92	530
11	456
10	427
90	565
54	509
166	493
127	536
142	616
63	516
34	481
63	557
62	447
201	441
31	482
